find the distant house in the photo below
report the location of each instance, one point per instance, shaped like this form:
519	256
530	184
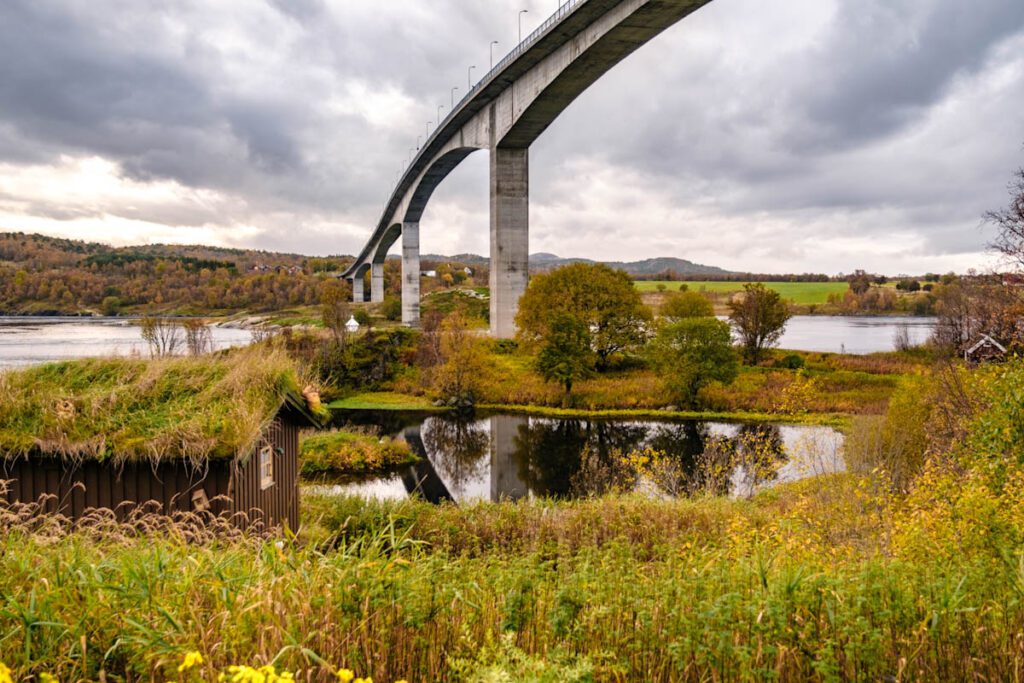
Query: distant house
985	350
213	435
429	273
468	271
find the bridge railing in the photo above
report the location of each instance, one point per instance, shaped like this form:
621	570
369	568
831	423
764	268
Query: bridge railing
565	10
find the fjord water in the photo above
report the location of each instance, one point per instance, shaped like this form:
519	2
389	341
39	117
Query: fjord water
29	341
510	457
852	334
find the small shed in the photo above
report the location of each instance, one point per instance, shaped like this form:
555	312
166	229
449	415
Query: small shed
985	350
216	434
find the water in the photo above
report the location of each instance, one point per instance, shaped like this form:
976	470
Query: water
29	341
853	334
511	457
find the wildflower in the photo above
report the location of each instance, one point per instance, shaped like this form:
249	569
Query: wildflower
344	675
5	674
191	660
364	680
48	678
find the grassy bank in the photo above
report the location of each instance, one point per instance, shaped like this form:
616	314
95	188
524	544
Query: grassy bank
827	385
342	453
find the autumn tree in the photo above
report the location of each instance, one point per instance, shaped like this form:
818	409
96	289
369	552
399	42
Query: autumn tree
334	308
692	352
759	317
685	304
595	295
1009	224
566	355
463	368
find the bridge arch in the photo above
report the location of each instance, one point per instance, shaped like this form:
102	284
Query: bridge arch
505	113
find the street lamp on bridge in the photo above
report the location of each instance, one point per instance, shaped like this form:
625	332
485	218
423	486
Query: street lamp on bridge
521	13
493	43
453	97
440	107
469	79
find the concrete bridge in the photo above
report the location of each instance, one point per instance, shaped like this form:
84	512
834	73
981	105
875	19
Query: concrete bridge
504	113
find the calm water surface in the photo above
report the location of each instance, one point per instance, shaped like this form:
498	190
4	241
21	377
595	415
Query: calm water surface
510	457
28	341
855	334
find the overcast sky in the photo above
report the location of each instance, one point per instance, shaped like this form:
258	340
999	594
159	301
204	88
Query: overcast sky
794	135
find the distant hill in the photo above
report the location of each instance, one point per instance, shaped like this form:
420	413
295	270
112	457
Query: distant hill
47	275
544	261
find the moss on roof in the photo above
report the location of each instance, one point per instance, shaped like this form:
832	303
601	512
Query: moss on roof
123	409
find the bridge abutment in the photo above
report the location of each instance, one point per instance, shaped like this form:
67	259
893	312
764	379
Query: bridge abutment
510	236
411	274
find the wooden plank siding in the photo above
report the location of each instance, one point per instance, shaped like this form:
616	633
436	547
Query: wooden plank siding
232	487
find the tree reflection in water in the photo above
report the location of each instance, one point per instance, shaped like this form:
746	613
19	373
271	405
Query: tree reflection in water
458	448
558	458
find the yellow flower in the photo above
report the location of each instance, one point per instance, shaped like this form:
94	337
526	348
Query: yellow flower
48	678
364	680
344	676
192	660
5	674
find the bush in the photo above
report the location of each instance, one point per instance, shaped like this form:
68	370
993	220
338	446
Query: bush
679	305
691	353
898	442
391	309
791	361
345	453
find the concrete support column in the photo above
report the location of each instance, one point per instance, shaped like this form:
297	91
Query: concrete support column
411	274
357	289
510	236
377	282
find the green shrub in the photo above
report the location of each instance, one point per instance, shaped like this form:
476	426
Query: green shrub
791	361
346	454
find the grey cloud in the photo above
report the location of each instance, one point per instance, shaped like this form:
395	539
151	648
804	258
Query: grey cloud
714	113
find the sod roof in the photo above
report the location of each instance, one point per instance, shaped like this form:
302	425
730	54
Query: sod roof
124	409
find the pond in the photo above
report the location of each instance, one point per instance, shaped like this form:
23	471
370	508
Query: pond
29	341
510	457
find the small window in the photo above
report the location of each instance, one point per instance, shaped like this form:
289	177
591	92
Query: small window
266	467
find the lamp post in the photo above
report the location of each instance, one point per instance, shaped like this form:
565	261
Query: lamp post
429	123
453	97
521	13
417	143
440	107
469	79
493	43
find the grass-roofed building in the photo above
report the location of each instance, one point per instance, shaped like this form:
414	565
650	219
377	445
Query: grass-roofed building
183	434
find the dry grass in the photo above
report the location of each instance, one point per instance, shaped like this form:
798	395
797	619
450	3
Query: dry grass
130	409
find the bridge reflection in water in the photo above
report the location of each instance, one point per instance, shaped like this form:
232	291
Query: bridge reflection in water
511	457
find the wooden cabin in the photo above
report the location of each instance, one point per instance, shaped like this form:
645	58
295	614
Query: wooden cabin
181	435
985	350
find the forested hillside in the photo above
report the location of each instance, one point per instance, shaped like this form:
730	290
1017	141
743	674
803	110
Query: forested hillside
46	275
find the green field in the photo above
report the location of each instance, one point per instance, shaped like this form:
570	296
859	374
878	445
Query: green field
801	293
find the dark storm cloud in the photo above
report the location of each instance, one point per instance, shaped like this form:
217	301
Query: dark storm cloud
825	112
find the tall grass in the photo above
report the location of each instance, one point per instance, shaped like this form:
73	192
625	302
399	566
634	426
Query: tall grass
802	583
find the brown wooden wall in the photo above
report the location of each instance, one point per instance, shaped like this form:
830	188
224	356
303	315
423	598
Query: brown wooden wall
280	502
230	486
